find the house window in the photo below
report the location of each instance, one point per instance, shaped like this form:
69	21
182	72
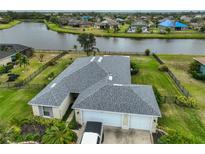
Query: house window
47	111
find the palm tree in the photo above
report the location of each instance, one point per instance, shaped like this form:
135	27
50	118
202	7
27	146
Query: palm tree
23	60
59	134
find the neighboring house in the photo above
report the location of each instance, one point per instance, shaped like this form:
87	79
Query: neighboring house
120	20
99	89
79	23
201	60
8	52
108	24
185	18
138	24
173	24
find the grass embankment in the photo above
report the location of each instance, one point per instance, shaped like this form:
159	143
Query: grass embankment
10	24
190	121
123	34
34	64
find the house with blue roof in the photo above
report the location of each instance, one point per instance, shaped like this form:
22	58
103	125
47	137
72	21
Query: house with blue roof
173	25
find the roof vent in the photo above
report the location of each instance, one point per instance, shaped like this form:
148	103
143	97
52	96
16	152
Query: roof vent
100	59
92	59
110	77
117	85
53	85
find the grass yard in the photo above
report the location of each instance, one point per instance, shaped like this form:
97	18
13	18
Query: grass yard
13	103
9	25
60	65
34	64
188	120
149	74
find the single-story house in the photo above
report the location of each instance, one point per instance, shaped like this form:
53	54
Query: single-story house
99	89
8	52
173	24
201	60
107	23
120	20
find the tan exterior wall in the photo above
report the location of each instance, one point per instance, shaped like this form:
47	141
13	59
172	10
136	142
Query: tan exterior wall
4	61
78	116
35	111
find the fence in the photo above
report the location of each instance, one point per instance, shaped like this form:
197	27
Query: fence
33	75
171	74
168	99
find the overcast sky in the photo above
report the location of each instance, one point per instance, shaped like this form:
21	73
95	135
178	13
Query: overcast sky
102	4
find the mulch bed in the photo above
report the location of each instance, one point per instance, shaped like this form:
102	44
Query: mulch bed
32	129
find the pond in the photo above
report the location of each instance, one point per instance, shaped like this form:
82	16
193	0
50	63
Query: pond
37	35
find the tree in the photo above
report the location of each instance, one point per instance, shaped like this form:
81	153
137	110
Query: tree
168	30
147	52
75	47
41	56
87	41
59	134
23	61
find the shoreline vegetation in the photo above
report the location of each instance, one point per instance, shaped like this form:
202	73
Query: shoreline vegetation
10	24
104	33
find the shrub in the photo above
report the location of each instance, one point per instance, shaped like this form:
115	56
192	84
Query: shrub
163	68
51	76
176	137
147	52
194	70
59	134
73	123
134	68
157	95
186	101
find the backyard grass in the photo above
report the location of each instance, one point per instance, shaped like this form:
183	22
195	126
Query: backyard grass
149	74
121	33
13	103
10	24
34	64
188	120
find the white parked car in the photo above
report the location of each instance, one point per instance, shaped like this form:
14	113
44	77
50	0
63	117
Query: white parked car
93	133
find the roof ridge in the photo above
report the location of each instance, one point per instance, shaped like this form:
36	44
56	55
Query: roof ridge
95	85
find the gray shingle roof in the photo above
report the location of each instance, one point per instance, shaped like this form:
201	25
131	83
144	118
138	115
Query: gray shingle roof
90	76
13	49
134	99
82	74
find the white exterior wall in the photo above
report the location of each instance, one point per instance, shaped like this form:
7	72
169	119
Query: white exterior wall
144	122
4	61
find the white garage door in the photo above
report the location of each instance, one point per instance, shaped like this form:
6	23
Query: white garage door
108	119
140	122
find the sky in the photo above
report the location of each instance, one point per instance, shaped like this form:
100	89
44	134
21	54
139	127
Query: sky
102	4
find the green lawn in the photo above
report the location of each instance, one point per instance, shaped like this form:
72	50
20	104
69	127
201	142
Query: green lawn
149	74
189	120
105	33
13	103
9	25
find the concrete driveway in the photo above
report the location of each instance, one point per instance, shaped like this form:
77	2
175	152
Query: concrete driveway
114	135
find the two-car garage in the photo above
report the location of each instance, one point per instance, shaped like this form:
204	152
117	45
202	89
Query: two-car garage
143	122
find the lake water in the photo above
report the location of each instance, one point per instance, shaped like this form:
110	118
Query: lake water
36	35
